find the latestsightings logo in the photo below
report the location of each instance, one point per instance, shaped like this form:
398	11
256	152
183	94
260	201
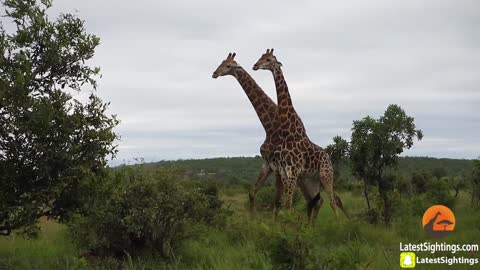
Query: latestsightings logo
438	221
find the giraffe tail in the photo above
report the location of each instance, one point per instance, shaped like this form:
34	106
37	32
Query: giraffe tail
339	204
313	206
313	202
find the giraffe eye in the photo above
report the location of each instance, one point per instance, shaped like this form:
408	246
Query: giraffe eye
229	66
269	60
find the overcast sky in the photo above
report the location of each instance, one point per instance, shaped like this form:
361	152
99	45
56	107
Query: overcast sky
343	60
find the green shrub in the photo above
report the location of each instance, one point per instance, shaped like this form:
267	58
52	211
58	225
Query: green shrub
416	205
420	180
289	249
438	193
135	213
266	196
372	216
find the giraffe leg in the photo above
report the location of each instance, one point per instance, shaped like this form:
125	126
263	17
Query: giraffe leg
326	178
278	195
265	171
339	204
316	208
312	197
306	195
290	185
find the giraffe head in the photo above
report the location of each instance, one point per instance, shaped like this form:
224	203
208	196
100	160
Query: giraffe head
267	61
227	67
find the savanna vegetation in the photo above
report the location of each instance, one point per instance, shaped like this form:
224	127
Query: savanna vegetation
63	207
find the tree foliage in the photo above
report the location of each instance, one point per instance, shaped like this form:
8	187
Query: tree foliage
133	212
475	183
375	147
49	140
338	152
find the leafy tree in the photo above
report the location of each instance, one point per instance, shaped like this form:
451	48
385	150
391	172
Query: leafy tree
439	172
475	182
361	153
457	183
403	185
49	140
338	152
375	147
420	180
438	192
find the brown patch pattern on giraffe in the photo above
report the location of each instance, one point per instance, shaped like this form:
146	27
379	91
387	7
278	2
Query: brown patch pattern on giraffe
297	156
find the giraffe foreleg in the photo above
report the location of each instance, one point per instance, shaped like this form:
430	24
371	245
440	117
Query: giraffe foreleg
291	177
278	195
265	171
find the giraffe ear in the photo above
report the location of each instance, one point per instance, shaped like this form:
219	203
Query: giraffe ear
279	64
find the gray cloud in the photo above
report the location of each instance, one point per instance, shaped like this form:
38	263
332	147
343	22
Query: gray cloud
342	60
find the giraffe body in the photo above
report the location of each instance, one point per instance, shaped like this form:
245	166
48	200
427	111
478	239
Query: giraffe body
296	155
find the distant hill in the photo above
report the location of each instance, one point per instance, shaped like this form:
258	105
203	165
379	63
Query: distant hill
238	170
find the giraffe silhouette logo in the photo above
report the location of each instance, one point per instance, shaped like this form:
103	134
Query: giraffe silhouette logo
438	221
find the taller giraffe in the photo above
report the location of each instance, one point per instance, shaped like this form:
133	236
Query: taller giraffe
298	156
266	111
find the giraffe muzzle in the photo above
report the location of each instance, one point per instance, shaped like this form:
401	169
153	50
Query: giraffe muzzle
214	75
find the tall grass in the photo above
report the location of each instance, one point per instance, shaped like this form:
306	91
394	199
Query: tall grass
51	250
260	243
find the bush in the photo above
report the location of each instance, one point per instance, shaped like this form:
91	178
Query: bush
266	196
438	193
134	213
372	216
289	249
420	181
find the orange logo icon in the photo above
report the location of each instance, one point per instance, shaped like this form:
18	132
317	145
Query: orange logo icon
438	221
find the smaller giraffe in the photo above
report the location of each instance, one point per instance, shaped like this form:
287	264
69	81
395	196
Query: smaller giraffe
298	156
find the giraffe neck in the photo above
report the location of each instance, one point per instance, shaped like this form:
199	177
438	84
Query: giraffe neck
291	124
284	100
263	104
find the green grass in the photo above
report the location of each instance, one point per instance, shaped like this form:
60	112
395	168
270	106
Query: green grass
247	243
51	250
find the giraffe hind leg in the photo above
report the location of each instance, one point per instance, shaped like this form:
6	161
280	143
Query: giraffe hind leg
339	204
314	206
326	178
312	203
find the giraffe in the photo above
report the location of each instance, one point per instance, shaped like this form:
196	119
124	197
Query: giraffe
297	156
266	112
429	226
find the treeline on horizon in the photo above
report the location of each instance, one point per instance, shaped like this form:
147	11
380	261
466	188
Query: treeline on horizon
244	170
